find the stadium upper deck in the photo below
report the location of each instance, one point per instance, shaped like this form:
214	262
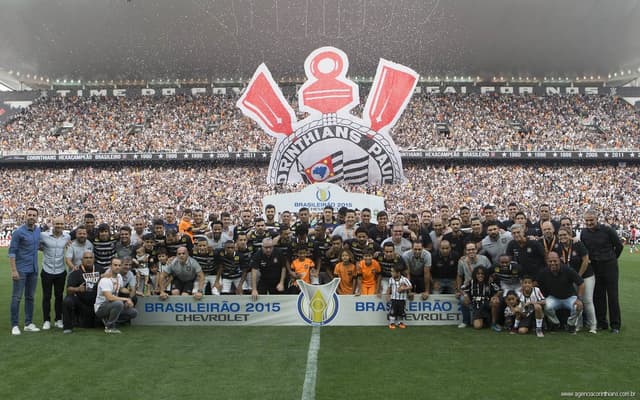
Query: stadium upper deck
432	122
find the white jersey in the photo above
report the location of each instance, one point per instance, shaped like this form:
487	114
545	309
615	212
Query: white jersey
535	296
395	285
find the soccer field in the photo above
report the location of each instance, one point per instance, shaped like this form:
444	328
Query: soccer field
353	362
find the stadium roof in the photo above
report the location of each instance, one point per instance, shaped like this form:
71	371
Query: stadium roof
147	39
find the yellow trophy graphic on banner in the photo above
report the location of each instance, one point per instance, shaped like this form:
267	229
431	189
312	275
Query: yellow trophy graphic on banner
318	304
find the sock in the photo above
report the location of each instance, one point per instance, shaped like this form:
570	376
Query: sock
516	324
538	323
392	320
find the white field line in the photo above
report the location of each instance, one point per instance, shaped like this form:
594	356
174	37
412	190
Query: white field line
309	389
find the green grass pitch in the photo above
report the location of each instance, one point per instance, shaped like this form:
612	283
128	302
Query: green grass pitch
353	362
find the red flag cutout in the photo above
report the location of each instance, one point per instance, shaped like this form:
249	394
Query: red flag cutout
391	91
264	103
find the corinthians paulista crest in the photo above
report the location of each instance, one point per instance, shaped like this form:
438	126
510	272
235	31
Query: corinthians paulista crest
331	144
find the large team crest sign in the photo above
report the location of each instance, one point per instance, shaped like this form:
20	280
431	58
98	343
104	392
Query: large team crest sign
331	144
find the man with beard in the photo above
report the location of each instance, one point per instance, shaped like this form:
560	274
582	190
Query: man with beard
75	251
23	259
362	243
215	240
124	246
270	222
258	234
456	237
89	225
199	227
245	225
495	243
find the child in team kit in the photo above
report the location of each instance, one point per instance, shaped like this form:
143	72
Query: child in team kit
368	275
511	310
532	301
163	261
398	291
154	274
302	268
141	269
478	293
347	272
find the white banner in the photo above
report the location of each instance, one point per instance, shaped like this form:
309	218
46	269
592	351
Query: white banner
292	310
319	195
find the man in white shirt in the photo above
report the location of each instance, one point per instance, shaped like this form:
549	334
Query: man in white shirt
54	271
109	307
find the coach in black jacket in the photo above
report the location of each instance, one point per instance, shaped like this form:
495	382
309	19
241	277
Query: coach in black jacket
604	247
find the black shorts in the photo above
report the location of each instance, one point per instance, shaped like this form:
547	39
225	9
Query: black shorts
397	308
182	286
528	322
481	312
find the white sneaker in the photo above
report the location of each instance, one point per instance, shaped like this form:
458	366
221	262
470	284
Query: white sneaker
15	331
462	325
59	324
594	331
46	326
31	328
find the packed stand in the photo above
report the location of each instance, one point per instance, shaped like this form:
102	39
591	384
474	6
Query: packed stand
119	193
214	123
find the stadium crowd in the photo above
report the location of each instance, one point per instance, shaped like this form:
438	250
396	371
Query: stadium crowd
214	123
118	194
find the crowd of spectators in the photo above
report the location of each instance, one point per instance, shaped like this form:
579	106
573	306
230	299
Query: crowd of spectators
214	123
117	194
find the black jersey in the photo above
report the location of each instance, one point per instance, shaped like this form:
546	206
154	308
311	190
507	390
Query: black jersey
231	264
207	262
184	241
386	265
358	248
444	267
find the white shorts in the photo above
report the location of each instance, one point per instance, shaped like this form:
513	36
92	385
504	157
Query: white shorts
227	284
212	280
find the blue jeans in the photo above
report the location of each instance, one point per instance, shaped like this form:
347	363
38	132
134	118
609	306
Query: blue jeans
553	303
27	285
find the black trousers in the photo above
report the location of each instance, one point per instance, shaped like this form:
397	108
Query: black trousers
417	281
266	286
53	283
605	294
77	313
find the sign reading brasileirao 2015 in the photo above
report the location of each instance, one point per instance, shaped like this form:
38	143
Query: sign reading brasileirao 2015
331	144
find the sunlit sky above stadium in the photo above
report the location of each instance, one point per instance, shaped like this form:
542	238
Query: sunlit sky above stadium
147	39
